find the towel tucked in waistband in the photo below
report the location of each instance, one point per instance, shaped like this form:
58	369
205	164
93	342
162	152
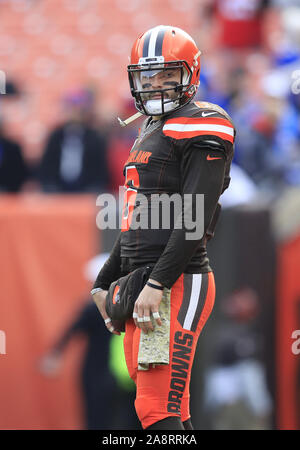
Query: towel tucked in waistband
154	347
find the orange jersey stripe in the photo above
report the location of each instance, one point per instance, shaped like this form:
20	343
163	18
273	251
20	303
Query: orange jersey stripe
199	120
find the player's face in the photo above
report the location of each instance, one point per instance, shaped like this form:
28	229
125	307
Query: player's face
164	79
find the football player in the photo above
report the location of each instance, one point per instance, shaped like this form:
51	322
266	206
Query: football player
186	148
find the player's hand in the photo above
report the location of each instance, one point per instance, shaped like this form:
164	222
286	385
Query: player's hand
146	304
100	299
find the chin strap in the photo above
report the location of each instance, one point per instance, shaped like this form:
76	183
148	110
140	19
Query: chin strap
130	119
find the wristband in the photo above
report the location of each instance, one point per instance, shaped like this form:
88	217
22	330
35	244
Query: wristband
155	286
95	290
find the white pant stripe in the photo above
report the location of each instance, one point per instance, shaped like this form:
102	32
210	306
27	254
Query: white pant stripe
195	294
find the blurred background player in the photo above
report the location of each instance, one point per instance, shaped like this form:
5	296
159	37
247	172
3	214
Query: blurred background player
75	154
13	167
103	375
236	391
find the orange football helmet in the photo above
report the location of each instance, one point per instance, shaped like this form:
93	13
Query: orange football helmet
168	49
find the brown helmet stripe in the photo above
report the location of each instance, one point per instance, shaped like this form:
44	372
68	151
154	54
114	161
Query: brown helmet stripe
159	42
146	44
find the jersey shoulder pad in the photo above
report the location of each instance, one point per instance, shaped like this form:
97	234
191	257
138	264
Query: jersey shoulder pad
209	107
201	120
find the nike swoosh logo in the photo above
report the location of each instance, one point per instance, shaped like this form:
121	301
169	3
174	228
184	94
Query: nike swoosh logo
211	158
204	114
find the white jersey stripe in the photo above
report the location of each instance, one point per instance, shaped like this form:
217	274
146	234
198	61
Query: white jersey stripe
182	128
195	294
